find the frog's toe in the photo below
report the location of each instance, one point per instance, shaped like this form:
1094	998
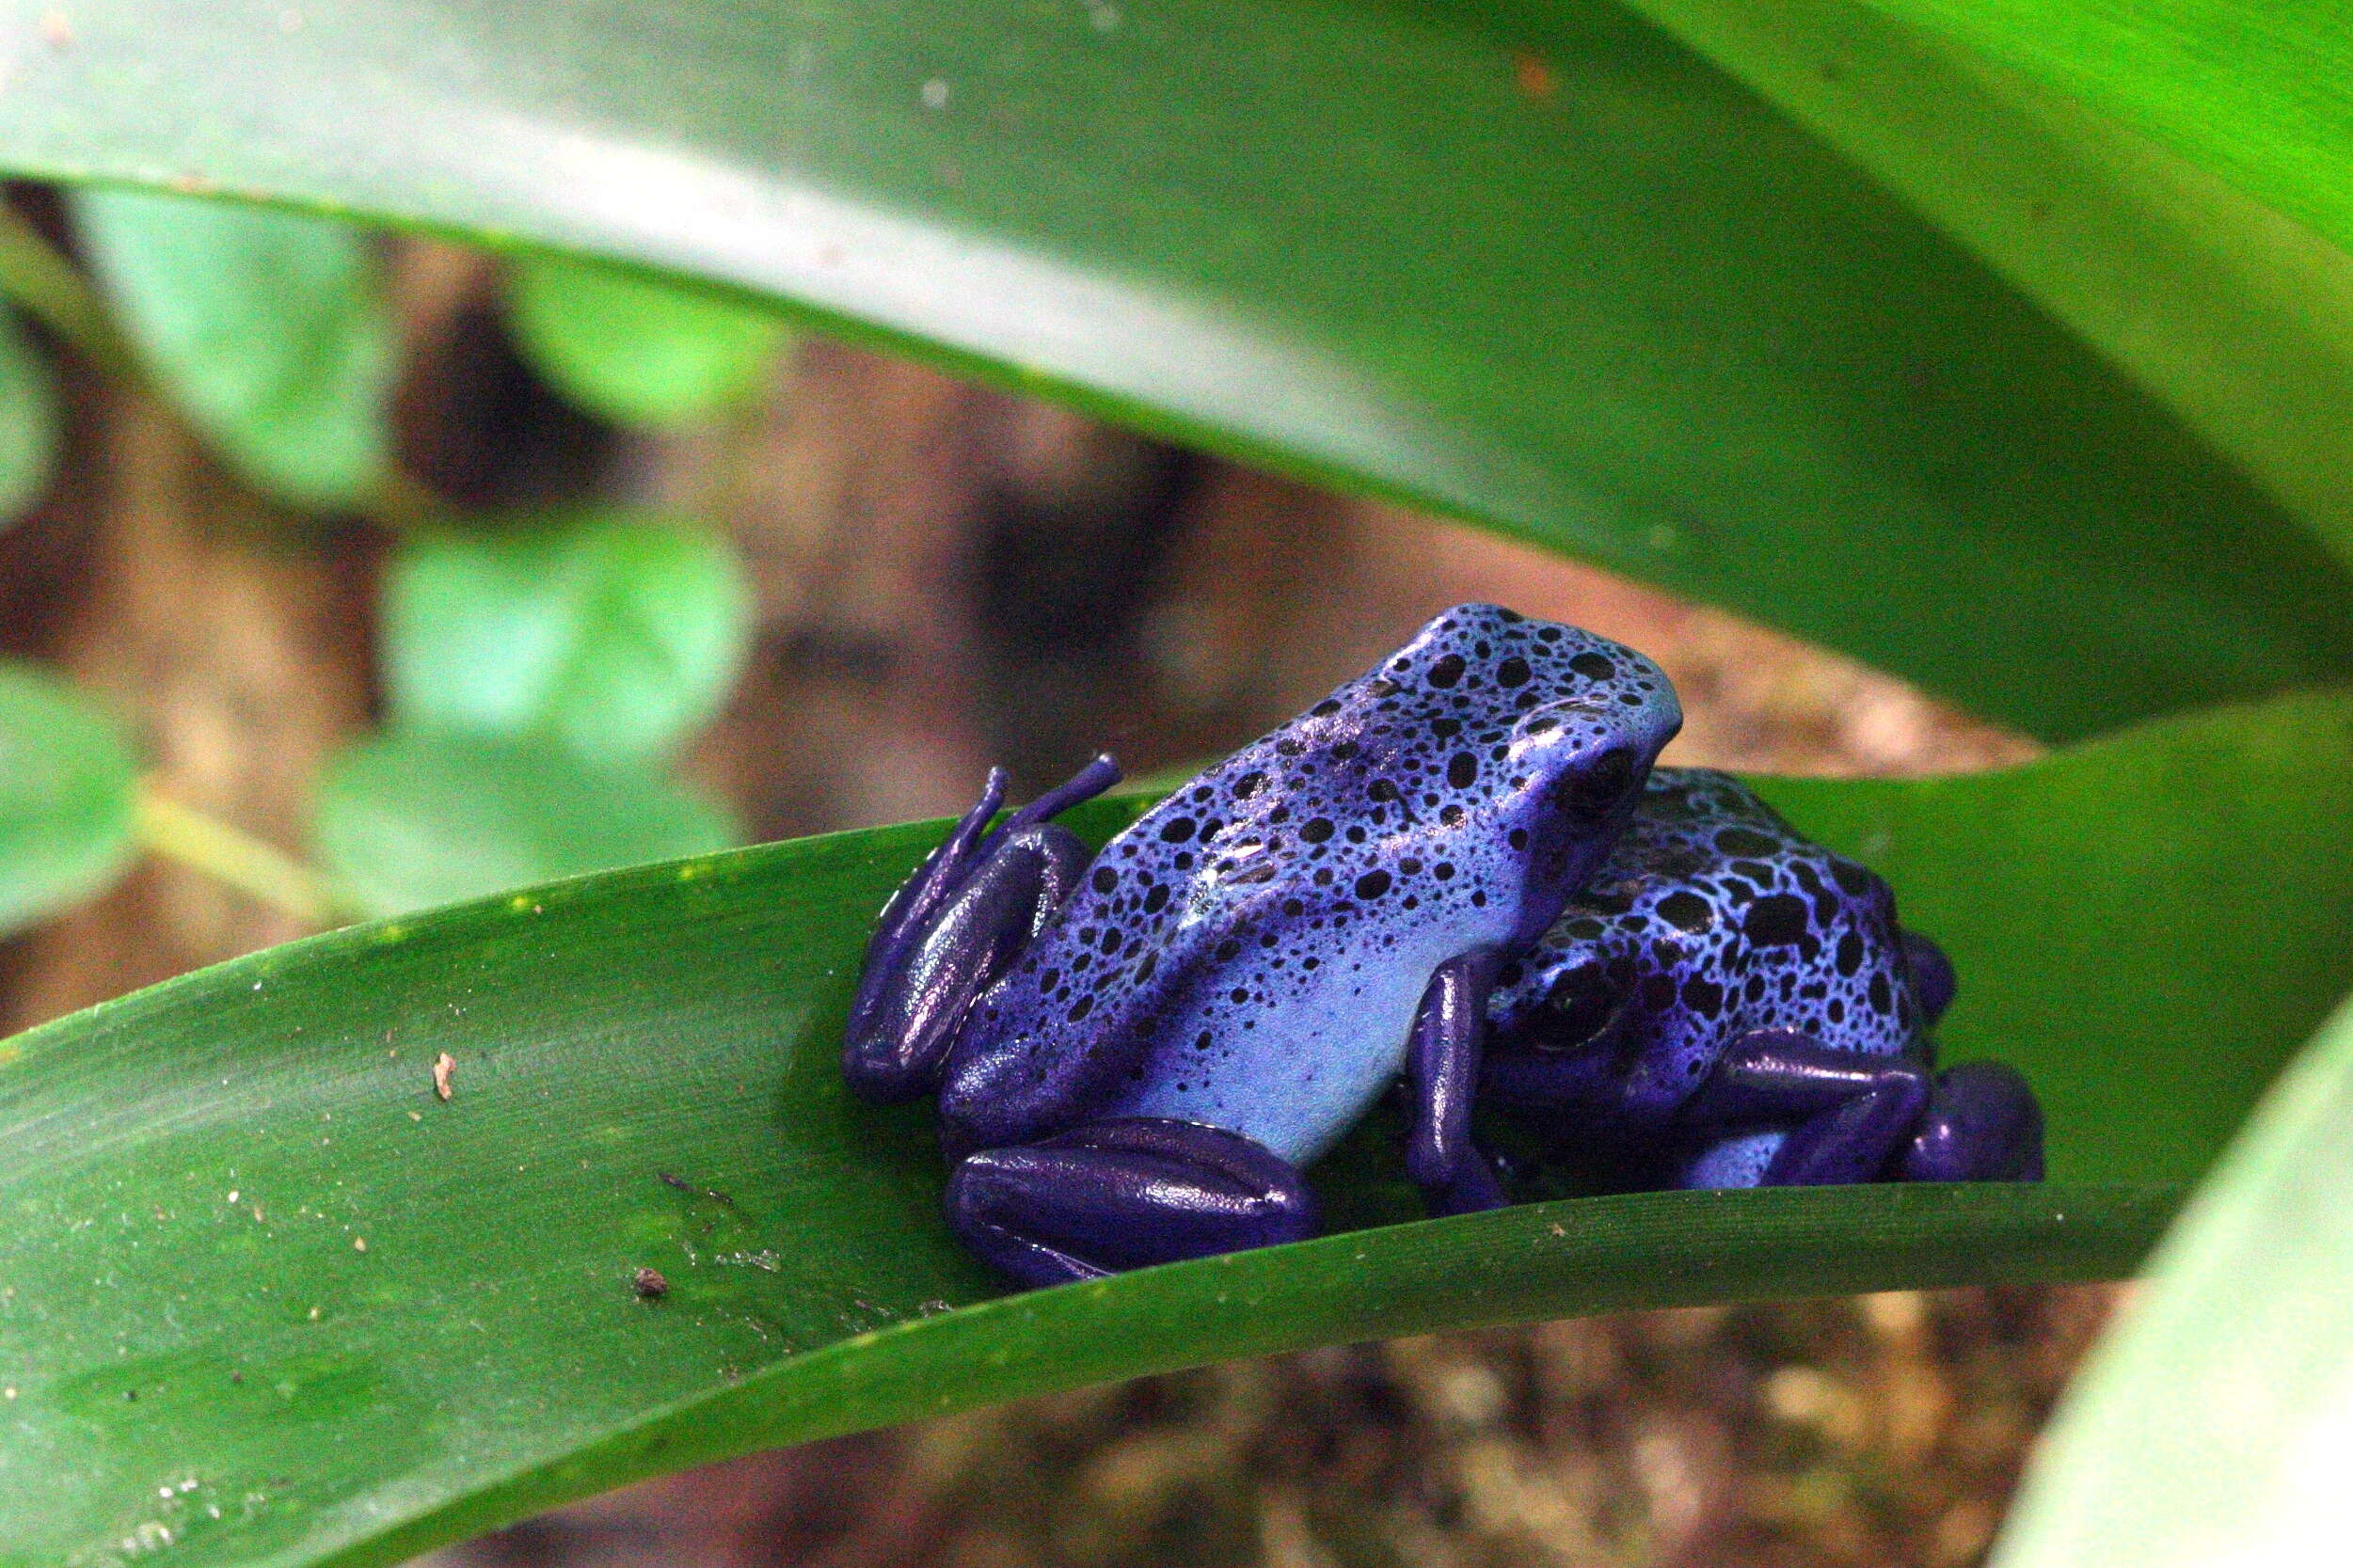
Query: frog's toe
1122	1194
1981	1124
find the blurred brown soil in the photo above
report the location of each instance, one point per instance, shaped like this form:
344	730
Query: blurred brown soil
947	577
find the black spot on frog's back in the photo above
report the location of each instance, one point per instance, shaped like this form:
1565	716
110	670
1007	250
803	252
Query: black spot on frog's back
1744	841
1776	919
1687	912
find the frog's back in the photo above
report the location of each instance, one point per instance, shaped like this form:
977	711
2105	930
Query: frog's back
1250	952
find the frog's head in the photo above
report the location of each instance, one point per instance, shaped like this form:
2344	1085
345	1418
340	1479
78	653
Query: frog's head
1557	733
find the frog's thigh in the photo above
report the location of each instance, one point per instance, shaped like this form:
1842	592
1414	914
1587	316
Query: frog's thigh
1981	1124
1121	1195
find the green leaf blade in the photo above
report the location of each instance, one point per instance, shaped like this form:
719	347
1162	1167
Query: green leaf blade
646	1075
2238	318
2094	921
2211	1425
1714	372
68	796
2254	90
410	821
265	326
638	351
612	634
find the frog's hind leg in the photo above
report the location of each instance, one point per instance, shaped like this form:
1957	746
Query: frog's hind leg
1122	1194
1981	1124
970	908
1845	1111
1933	981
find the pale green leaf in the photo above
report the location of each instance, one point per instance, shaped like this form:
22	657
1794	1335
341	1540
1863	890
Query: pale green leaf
611	633
638	350
67	796
266	327
407	821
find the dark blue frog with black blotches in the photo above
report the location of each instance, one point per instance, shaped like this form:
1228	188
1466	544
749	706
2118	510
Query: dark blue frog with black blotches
1135	1051
1728	1005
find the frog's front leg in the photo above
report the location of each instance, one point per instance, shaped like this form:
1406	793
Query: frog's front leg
1845	1111
1124	1193
1442	1063
967	912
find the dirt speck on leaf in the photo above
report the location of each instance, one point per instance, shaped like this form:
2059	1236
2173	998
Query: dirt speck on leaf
444	1065
1532	74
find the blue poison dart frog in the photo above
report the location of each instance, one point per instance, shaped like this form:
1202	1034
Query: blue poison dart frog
1727	1005
1136	1052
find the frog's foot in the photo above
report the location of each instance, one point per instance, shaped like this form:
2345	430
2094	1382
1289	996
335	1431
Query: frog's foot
952	929
1121	1195
1845	1111
1981	1124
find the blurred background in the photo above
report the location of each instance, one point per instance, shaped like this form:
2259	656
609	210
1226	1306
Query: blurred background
880	581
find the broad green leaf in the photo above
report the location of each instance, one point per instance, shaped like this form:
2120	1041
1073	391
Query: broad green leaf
2240	319
2083	900
266	327
613	634
2257	91
2211	1427
67	789
28	423
1540	268
405	821
645	1075
637	350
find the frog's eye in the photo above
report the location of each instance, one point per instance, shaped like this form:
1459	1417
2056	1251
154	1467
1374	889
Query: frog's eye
1602	783
1581	1003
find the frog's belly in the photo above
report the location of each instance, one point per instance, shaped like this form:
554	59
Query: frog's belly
1294	1076
1738	1161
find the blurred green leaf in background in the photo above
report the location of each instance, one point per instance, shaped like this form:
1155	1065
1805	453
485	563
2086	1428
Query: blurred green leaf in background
638	350
28	423
267	329
612	634
68	796
2212	1428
